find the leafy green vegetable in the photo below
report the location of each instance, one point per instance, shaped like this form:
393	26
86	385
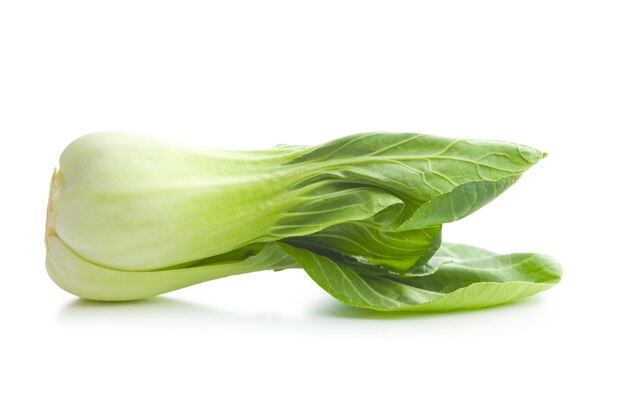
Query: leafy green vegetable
131	217
457	277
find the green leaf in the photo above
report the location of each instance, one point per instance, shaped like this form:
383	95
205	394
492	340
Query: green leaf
332	203
457	203
457	277
372	244
438	179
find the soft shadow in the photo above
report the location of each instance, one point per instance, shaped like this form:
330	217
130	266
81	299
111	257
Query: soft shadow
164	310
81	304
156	308
335	309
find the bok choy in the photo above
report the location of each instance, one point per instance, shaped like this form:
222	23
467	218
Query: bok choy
131	217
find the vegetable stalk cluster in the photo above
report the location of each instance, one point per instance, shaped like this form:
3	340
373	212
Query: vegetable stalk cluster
131	217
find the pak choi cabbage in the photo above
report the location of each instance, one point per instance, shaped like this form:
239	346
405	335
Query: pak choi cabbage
131	217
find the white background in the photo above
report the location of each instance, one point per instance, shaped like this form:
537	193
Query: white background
254	74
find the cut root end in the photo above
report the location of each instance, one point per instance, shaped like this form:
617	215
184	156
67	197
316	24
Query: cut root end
53	204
